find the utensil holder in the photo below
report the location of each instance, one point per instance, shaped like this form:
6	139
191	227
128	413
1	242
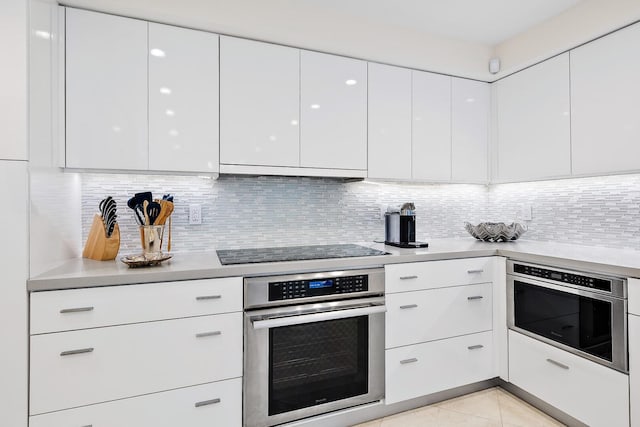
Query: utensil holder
98	245
151	239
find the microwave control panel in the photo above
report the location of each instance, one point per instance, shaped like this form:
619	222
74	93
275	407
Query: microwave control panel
564	277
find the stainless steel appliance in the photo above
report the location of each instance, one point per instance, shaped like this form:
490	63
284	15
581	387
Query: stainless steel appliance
314	343
583	313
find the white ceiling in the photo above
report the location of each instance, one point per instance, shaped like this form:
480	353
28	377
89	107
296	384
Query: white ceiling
480	21
487	22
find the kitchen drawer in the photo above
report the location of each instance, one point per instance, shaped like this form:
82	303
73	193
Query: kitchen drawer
437	274
131	360
166	409
422	369
589	392
65	310
414	317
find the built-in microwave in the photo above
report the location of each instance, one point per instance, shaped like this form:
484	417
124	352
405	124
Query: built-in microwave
584	313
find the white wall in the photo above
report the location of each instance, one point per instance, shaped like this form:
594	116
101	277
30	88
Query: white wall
584	22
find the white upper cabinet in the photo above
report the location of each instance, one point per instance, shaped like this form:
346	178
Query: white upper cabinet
533	135
605	112
431	126
183	99
333	110
470	101
259	103
389	122
106	86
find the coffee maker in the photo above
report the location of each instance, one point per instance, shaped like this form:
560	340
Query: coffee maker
400	228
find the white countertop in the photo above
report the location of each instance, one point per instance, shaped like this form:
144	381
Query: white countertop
80	273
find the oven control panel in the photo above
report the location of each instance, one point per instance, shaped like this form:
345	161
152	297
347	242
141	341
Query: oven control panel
564	277
292	289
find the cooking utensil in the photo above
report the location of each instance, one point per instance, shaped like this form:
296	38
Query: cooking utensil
165	211
153	211
145	212
133	204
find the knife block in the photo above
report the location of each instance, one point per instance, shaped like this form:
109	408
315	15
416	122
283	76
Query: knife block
98	246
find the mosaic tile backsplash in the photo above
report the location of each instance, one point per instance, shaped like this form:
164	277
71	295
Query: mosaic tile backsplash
248	211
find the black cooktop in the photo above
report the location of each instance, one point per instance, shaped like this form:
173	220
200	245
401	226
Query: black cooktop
294	253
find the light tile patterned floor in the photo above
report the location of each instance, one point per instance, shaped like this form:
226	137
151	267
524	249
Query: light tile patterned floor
493	407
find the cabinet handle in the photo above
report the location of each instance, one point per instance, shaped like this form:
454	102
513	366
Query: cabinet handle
205	297
475	347
475	297
76	310
207	402
88	425
405	361
408	306
408	277
208	334
79	351
558	364
479	270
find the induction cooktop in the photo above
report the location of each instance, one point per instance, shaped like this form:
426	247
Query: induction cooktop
294	253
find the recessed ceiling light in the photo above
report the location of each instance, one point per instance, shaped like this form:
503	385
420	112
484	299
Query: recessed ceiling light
170	112
165	91
315	106
470	100
351	82
294	122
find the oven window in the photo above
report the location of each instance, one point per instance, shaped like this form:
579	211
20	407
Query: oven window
319	362
579	322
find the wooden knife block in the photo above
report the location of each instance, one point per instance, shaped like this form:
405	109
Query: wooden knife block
98	246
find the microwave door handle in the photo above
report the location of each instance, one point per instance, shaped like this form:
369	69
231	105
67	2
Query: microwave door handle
317	317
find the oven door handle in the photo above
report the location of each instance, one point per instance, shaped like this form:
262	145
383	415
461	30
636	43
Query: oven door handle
317	317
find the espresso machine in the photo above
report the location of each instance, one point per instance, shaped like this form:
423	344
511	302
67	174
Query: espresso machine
400	228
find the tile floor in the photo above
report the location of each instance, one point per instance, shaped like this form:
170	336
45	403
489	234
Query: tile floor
493	407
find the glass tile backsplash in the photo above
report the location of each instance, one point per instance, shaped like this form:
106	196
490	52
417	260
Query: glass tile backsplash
248	211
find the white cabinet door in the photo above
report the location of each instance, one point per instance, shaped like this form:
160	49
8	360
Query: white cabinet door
183	99
634	368
421	369
605	112
76	368
333	111
431	126
389	122
14	264
259	103
470	104
14	45
415	317
533	122
106	80
589	392
218	403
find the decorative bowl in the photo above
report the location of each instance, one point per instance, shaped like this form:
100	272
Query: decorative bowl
495	231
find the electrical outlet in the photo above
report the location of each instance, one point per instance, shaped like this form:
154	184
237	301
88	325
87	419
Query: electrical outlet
526	212
195	214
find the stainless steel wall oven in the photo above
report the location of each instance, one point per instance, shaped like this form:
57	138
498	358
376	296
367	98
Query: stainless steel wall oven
314	343
581	312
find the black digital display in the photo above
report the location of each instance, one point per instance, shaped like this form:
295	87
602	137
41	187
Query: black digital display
319	284
555	275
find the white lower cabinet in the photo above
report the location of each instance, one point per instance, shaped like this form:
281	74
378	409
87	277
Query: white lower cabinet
96	365
417	370
420	316
591	393
634	362
218	403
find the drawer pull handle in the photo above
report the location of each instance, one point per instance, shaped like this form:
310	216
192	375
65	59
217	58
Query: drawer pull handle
405	361
475	297
558	364
475	347
208	334
408	277
479	270
76	310
408	306
88	425
79	351
207	402
205	297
